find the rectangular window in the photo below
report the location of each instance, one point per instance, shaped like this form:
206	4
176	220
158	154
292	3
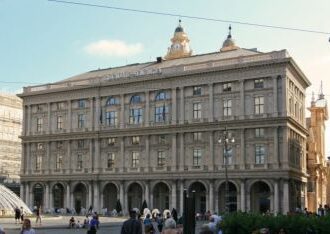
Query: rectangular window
81	120
111	118
38	162
135	140
197	157
81	144
197	90
59	144
79	161
59	123
259	105
197	110
135	116
259	132
258	83
228	155
227	87
260	154
135	159
59	160
60	105
197	136
39	124
161	113
161	159
81	103
111	160
111	140
227	104
40	146
162	139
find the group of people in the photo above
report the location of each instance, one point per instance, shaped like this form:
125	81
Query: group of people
19	215
91	222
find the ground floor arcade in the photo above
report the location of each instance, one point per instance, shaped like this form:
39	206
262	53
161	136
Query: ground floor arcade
255	195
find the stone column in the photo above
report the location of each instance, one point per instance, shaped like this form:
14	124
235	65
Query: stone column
242	149
51	200
242	99
147	112
211	108
275	110
91	164
212	159
49	130
98	112
121	196
49	168
174	154
243	196
90	194
285	147
97	162
181	197
276	152
182	159
91	114
67	203
28	158
122	153
182	107
276	198
96	202
285	202
284	97
29	124
69	116
174	203
21	191
46	205
211	197
122	111
27	194
24	120
147	164
69	157
146	194
174	106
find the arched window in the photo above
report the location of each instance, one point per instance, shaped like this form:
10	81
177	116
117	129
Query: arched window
161	95
111	101
135	99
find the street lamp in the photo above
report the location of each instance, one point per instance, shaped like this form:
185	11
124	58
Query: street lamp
225	139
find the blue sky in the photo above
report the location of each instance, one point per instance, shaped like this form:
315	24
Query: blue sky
44	42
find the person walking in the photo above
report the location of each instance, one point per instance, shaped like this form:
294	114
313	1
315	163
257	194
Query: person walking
38	215
132	225
26	227
22	214
17	215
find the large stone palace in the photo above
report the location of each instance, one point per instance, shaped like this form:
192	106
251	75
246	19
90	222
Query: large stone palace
147	131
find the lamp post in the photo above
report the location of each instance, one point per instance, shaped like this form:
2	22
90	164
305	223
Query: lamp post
225	139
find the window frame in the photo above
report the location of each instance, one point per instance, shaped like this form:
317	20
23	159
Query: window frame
135	158
161	158
259	83
259	105
111	118
197	110
39	124
81	121
197	157
260	154
111	160
227	107
197	90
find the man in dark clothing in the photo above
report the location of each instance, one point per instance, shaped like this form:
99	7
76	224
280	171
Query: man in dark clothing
132	225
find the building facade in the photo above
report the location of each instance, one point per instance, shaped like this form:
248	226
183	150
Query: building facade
148	131
11	112
317	167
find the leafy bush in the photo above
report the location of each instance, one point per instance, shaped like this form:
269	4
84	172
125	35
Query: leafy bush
246	223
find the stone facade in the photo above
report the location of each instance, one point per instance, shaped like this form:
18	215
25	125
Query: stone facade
149	131
317	167
10	129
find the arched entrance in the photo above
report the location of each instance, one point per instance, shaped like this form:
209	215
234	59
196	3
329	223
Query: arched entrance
38	195
260	197
200	196
134	196
161	196
110	196
232	197
79	197
58	195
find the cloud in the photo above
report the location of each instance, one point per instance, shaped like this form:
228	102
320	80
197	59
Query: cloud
114	48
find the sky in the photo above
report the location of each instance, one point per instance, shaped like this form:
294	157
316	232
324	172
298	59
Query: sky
43	41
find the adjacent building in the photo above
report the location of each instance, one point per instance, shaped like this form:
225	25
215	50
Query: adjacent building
10	144
148	131
317	167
